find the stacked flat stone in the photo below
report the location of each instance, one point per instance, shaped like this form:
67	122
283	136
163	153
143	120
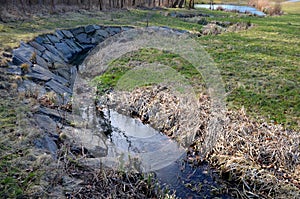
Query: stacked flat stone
52	59
51	65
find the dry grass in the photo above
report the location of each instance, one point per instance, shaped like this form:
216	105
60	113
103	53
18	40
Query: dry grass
266	6
25	67
69	178
262	158
258	159
259	4
165	109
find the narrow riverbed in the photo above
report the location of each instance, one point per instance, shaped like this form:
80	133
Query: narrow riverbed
155	152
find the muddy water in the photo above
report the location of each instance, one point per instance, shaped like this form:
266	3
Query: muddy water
159	154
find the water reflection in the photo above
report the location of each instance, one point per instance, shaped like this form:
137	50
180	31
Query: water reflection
131	140
137	145
241	9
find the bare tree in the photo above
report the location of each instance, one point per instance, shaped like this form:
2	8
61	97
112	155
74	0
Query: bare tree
52	6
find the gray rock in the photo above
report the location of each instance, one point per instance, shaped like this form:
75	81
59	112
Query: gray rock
17	61
126	28
83	38
73	71
63	72
40	61
102	33
37	76
55	60
91	28
65	50
94	142
51	112
14	70
77	31
42	40
67	33
97	38
56	114
93	41
53	50
23	44
113	30
58	88
7	54
87	46
53	38
43	71
59	34
48	144
22	55
46	123
37	46
29	87
73	45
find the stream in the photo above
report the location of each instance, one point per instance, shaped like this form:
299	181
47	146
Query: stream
157	153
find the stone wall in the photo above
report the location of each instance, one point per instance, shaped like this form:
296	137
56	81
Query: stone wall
46	68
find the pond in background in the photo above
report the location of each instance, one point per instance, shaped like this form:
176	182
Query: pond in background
241	9
292	1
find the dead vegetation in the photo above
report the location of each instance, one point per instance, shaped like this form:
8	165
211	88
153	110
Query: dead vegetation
27	171
270	8
258	159
263	158
68	177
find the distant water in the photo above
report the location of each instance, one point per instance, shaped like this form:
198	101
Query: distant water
293	1
241	9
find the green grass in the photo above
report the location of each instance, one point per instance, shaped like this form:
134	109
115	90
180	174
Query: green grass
260	66
16	176
120	70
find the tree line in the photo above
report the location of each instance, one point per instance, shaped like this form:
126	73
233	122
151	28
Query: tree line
96	4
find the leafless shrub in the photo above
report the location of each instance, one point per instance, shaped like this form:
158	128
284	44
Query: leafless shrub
220	8
266	6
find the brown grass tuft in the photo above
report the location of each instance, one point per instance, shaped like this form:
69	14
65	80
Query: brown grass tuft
33	58
266	6
262	158
25	67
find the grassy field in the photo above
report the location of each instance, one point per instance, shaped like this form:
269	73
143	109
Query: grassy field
260	66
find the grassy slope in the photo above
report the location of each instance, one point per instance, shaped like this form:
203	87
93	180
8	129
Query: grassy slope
260	66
